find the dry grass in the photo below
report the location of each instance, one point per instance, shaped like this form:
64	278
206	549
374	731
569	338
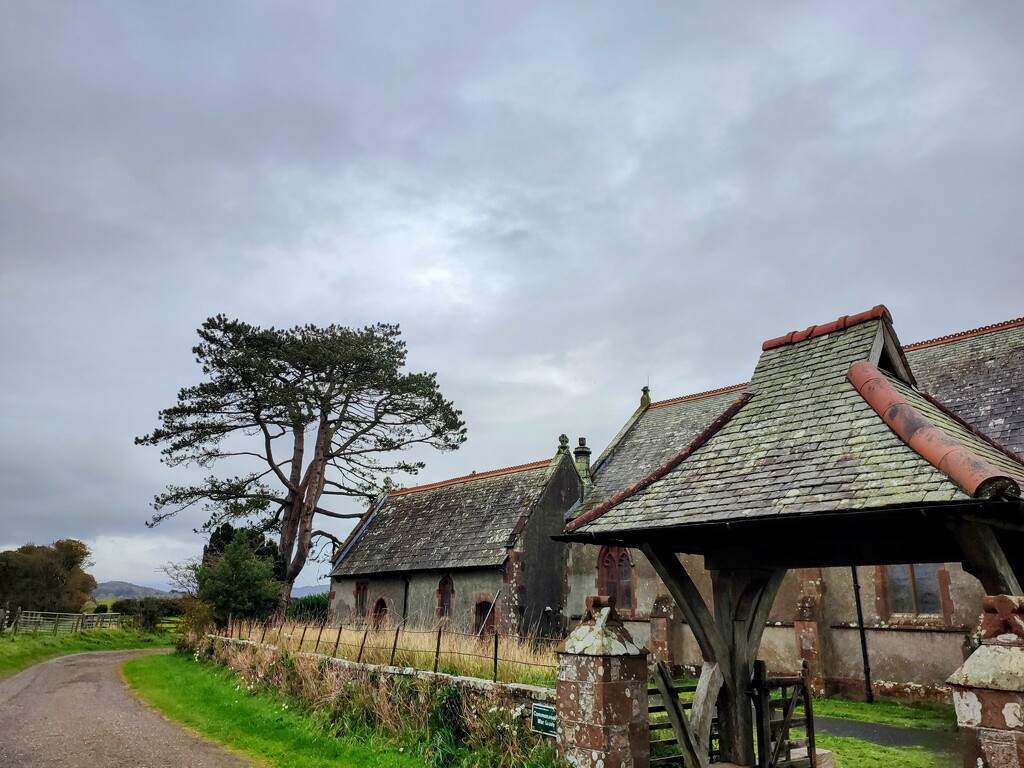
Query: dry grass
519	660
482	724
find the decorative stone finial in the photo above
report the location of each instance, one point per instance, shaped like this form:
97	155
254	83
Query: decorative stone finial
1003	620
563	444
645	398
601	632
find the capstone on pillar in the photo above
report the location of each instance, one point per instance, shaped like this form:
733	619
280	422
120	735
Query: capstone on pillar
602	693
988	690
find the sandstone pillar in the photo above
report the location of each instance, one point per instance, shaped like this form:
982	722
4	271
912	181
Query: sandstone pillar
988	690
602	693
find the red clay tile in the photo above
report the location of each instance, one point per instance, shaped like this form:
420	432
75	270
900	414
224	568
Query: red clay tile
795	337
971	472
965	334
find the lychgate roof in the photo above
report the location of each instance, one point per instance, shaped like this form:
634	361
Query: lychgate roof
466	522
801	440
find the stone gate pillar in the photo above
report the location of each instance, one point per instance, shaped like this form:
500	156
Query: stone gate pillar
988	690
602	693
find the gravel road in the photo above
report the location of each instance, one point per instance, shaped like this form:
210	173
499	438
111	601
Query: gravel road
75	712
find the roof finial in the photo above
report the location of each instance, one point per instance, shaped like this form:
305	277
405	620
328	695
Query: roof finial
563	444
645	398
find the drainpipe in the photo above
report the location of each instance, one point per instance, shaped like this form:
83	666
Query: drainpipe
863	637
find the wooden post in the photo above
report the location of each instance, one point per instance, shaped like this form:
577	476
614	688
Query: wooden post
437	651
394	645
3	620
337	640
762	710
495	657
743	599
316	648
17	622
263	636
302	639
362	645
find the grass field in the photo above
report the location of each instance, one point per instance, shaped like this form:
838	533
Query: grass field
274	730
935	717
853	753
23	650
90	607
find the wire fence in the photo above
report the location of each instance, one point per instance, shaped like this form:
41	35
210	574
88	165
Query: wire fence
13	622
489	656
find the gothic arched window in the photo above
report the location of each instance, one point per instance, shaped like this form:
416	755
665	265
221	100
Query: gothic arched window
445	591
615	576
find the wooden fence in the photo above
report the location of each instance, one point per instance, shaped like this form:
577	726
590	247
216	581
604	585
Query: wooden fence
55	623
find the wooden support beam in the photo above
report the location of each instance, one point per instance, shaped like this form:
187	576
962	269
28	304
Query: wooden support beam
743	598
705	703
694	755
984	557
690	602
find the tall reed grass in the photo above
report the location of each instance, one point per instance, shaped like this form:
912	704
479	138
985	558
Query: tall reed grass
441	648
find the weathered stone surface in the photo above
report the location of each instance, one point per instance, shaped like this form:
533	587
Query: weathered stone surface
995	667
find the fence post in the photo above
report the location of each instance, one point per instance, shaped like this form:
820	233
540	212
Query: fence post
362	645
495	657
3	620
437	651
316	648
394	645
56	622
303	638
334	653
17	621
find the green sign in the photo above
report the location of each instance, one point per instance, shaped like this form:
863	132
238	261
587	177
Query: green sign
542	719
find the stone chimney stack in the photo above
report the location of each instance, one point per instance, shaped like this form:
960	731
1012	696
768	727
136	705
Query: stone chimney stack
582	456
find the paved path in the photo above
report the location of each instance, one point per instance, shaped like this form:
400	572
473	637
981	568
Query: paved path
75	712
888	735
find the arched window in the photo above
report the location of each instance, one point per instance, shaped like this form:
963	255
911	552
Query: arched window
379	617
361	592
913	590
615	576
445	592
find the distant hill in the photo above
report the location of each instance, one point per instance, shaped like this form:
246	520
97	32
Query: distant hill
303	591
108	589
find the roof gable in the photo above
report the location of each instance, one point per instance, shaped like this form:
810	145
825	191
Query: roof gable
805	442
464	522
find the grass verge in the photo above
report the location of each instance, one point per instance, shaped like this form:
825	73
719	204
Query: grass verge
853	753
23	650
277	731
935	717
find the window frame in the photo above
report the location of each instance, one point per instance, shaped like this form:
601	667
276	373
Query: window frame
884	600
609	584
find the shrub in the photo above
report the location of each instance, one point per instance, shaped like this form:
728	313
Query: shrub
101	608
310	609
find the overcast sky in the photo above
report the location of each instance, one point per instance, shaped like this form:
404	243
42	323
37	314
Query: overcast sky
557	201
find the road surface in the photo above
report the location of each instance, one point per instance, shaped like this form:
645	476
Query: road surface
75	712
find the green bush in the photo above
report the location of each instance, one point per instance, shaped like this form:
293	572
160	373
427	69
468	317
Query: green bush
101	608
311	609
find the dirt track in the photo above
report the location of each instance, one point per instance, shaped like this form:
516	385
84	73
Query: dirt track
76	712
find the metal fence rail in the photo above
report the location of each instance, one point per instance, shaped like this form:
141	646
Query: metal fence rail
55	623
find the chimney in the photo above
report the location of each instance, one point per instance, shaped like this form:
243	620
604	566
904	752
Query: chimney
582	456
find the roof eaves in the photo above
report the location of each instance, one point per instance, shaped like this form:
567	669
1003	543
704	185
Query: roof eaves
665	468
971	472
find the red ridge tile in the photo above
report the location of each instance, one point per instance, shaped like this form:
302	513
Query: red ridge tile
965	334
475	476
699	395
971	472
795	337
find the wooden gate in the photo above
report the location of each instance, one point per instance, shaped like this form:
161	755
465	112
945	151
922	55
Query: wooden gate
673	741
781	705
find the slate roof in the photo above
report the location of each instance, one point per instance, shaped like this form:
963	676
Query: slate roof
466	522
978	374
806	441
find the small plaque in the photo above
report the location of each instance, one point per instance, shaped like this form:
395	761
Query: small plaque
542	719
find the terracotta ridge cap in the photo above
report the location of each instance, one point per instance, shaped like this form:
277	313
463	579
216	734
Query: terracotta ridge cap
813	332
973	429
976	476
1016	323
473	476
700	395
709	432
